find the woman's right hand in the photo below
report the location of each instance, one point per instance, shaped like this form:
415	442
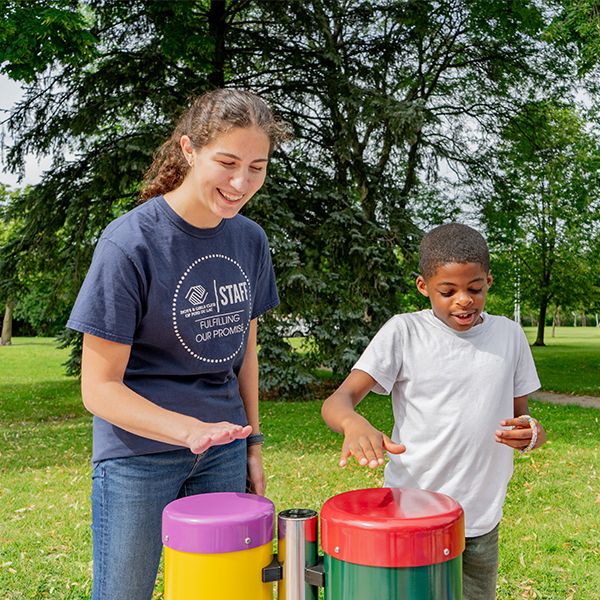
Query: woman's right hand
106	396
205	435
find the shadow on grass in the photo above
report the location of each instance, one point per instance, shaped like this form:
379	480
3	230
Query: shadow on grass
31	342
42	445
37	402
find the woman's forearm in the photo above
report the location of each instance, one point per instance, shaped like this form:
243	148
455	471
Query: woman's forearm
106	396
248	380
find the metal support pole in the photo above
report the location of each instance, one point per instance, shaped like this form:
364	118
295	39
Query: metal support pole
297	549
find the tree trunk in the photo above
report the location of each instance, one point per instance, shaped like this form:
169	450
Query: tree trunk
6	339
217	28
539	340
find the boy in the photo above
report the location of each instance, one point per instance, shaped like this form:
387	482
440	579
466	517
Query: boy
459	380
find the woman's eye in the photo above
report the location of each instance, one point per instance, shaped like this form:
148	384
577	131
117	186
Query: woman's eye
256	169
227	164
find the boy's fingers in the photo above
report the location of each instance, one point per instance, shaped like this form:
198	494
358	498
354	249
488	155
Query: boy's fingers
344	456
370	452
393	447
513	434
515	438
363	452
370	455
516	422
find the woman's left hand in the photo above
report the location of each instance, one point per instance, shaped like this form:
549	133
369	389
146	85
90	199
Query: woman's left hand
256	474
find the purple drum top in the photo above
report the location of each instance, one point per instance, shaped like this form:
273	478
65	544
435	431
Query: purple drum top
217	523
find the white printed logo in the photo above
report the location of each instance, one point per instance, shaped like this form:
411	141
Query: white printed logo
196	295
212	318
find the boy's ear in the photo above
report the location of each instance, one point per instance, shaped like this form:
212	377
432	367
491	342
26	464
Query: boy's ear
489	279
422	286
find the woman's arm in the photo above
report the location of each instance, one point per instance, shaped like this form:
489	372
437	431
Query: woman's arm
105	395
248	379
248	382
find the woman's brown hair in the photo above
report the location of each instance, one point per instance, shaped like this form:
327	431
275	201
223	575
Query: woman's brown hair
210	115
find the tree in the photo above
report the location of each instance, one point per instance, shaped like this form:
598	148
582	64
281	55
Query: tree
6	289
544	209
577	26
379	94
6	338
32	287
123	61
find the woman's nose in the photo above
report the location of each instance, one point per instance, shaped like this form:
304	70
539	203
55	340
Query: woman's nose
240	181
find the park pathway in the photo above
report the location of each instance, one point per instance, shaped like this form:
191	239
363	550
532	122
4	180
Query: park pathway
555	398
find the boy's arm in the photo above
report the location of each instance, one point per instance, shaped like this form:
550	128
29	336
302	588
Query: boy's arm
361	439
521	435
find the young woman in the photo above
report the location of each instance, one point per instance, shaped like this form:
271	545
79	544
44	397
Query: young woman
168	311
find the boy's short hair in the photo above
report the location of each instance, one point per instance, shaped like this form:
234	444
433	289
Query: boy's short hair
452	243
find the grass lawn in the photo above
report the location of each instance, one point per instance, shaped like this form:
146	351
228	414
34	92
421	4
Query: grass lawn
550	537
570	362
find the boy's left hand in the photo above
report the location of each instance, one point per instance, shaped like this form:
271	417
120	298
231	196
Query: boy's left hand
519	436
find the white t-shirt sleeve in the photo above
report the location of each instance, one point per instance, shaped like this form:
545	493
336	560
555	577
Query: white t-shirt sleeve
526	379
382	358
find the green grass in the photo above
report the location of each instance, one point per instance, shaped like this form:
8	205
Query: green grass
550	537
570	362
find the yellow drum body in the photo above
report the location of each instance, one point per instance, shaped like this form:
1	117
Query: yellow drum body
228	576
216	546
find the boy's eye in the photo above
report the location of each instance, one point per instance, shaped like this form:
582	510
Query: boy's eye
446	294
476	291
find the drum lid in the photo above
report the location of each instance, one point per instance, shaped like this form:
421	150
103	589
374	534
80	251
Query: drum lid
219	522
392	527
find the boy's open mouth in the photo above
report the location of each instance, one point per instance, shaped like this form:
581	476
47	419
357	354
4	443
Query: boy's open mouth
464	318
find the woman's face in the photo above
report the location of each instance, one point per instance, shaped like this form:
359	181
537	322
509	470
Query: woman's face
226	172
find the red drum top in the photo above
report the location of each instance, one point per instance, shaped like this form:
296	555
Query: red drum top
392	527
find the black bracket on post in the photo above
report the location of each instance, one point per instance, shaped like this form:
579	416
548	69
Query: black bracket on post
315	575
272	572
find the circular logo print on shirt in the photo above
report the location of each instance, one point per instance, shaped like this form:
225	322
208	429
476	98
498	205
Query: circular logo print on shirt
211	308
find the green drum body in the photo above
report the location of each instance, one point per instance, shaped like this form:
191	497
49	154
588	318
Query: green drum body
392	544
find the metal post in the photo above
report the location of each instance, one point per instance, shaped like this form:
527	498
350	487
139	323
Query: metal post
297	549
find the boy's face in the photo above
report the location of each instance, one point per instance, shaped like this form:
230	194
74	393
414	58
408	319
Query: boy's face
457	292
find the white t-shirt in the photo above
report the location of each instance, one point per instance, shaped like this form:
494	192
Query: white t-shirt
450	390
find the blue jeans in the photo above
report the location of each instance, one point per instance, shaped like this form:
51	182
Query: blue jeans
128	497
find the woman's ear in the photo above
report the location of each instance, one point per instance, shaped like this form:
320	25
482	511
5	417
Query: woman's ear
422	286
188	150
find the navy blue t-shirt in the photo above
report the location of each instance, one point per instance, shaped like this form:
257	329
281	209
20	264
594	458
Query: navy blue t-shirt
183	298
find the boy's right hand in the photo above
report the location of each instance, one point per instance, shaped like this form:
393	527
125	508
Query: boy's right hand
366	443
